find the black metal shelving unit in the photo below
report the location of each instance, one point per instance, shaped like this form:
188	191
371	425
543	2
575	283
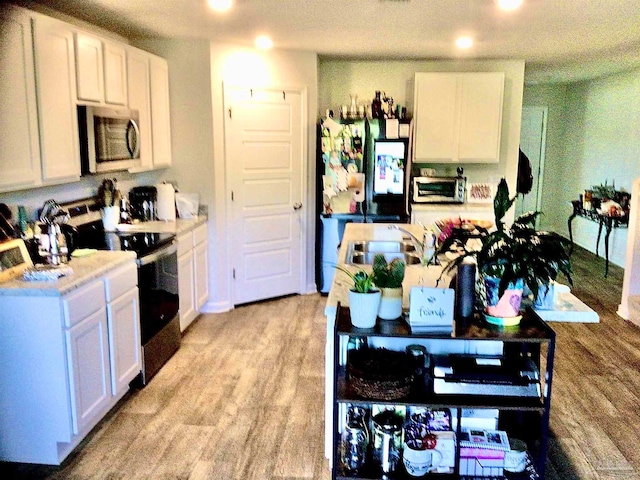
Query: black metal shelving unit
526	418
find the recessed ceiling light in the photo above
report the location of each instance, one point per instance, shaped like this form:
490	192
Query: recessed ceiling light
263	42
509	4
464	42
220	5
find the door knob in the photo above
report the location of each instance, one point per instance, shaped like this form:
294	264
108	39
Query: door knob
297	206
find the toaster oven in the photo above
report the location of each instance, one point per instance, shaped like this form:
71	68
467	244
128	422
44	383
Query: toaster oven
439	189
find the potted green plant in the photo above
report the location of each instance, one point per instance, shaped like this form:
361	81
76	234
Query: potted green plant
388	277
364	298
508	258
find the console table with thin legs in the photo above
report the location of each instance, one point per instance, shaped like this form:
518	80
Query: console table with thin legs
607	221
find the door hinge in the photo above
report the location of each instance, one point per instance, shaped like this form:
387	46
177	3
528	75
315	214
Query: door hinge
232	196
230	113
233	273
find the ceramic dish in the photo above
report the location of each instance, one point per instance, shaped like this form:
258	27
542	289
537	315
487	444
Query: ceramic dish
503	321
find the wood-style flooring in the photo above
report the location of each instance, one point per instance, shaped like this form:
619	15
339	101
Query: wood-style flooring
243	399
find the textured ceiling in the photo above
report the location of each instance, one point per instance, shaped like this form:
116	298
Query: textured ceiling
560	40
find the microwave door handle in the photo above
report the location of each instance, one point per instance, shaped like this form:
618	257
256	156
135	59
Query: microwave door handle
136	150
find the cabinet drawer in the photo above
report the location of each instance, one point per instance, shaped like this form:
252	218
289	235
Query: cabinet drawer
200	234
120	281
83	302
185	243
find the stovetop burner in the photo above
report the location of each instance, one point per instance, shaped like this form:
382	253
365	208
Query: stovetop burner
92	235
85	216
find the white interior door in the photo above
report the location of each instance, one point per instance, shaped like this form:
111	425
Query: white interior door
264	153
532	142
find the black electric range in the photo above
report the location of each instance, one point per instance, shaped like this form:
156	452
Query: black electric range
157	280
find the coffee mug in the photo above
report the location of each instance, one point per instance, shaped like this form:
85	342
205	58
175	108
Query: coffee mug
420	462
515	460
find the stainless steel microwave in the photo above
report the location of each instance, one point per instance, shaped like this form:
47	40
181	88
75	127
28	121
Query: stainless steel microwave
439	189
109	139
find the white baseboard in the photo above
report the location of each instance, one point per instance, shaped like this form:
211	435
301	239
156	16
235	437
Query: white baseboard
216	307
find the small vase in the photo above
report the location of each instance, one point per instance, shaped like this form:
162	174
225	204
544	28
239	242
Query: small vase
363	308
390	303
507	305
545	298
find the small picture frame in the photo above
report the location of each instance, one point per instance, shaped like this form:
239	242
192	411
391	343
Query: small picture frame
14	259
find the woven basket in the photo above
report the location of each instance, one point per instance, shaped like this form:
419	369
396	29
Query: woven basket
380	374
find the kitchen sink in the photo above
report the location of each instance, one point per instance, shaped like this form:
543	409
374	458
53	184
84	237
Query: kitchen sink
366	258
380	246
362	253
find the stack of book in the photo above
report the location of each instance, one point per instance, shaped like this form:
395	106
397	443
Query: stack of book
482	452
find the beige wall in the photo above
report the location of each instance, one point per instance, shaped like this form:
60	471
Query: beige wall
592	137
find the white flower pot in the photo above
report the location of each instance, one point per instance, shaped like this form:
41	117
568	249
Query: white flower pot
363	308
390	303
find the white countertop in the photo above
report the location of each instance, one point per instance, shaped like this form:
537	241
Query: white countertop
96	265
457	207
415	275
569	308
84	269
180	225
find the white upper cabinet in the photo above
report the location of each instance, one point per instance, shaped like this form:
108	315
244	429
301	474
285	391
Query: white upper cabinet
148	82
458	117
56	94
139	90
19	147
101	68
115	73
89	69
160	116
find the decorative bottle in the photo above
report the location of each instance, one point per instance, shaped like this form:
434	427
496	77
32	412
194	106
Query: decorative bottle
376	106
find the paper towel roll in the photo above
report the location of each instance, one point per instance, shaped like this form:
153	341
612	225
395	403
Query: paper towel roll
166	207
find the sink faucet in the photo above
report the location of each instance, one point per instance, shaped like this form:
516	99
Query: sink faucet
424	246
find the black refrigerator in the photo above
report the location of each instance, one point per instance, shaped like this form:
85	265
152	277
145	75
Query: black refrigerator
361	178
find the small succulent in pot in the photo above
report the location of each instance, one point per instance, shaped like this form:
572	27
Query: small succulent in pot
387	274
362	281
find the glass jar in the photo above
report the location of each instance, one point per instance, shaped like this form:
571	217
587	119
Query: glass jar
354	441
387	441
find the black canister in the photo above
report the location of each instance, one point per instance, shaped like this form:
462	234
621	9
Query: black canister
465	291
142	203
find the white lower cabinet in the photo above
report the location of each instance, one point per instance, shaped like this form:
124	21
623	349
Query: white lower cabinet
186	289
193	269
89	370
67	360
124	341
201	275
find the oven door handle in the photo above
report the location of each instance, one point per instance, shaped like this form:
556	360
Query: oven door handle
155	256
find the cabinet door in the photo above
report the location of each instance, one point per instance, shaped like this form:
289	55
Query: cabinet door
436	97
19	148
123	316
115	73
481	97
56	93
201	274
138	78
186	289
89	71
89	371
160	121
